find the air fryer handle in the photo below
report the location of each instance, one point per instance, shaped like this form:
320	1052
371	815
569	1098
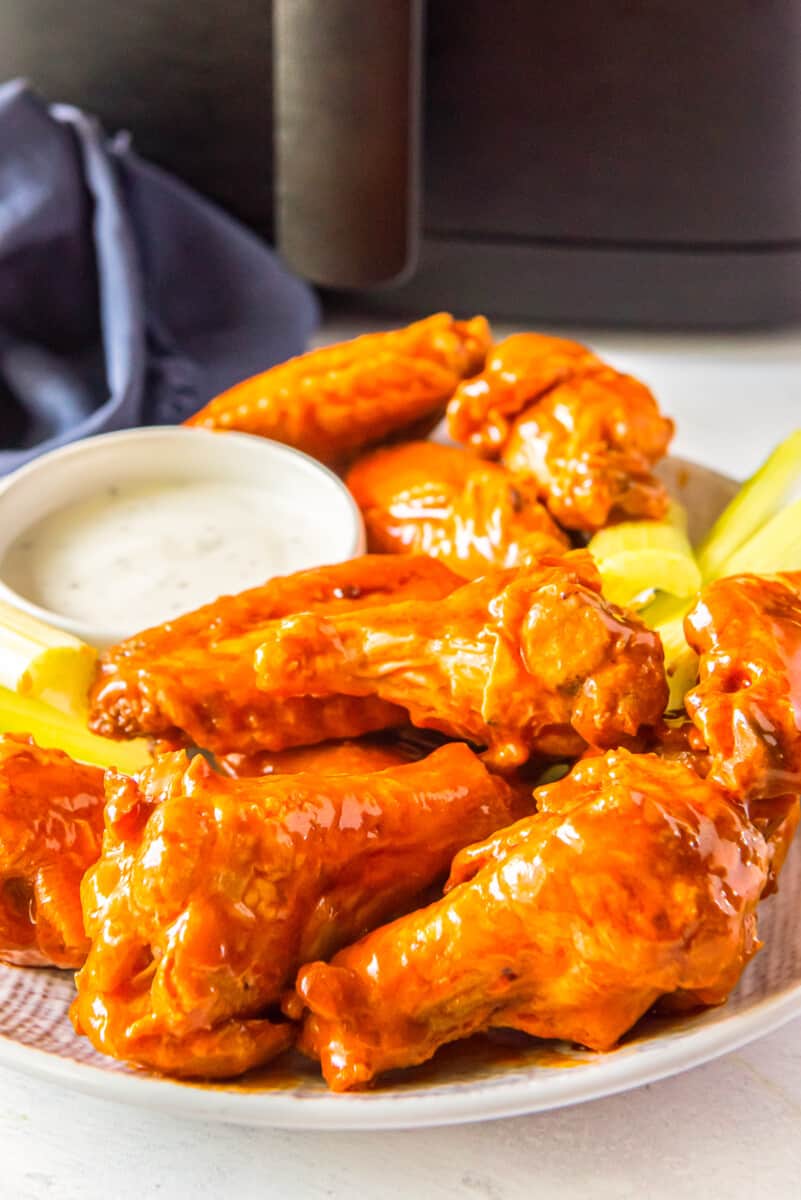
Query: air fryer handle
347	111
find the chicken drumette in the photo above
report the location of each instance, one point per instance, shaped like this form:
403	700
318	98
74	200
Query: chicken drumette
523	662
587	435
747	705
425	498
635	879
336	401
210	893
51	826
192	679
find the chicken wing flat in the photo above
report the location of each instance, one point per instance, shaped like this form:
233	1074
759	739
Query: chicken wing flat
335	401
747	705
192	679
425	498
522	662
585	434
635	879
211	892
51	826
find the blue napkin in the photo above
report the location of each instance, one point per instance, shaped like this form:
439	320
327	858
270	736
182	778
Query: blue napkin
125	298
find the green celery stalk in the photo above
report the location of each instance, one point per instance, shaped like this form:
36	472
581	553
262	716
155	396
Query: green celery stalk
637	557
774	547
665	615
770	489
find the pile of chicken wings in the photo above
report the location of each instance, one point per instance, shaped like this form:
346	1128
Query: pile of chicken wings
340	844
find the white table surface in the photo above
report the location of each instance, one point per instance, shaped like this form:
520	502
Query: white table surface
731	1129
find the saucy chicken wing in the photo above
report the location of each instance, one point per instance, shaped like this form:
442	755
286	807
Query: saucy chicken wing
747	705
425	498
775	816
523	661
633	880
192	679
210	893
590	445
586	435
519	370
51	826
335	401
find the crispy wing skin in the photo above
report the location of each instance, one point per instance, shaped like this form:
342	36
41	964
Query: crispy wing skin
335	401
211	892
585	434
747	705
192	679
425	498
51	825
635	879
519	661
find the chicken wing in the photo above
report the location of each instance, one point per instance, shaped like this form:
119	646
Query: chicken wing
51	826
585	434
425	498
211	892
519	661
635	879
519	370
590	445
335	401
775	816
192	679
747	705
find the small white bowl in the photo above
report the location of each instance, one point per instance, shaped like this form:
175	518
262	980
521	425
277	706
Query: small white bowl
170	455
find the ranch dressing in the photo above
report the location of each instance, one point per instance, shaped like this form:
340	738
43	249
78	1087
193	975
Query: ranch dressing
136	555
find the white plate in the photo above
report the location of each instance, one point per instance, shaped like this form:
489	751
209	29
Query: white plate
485	1078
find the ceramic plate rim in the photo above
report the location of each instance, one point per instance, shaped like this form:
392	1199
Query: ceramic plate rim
486	1099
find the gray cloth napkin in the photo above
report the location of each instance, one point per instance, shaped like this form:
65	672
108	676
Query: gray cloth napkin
125	298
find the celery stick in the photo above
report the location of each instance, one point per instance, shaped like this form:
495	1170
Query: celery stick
56	730
666	616
775	484
638	557
553	774
44	663
775	547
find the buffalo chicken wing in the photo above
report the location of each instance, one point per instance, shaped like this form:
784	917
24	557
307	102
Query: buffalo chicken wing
635	879
775	816
747	705
586	435
192	679
335	401
425	498
522	662
211	892
51	826
519	370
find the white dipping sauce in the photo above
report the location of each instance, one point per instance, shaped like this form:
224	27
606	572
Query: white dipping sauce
136	555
